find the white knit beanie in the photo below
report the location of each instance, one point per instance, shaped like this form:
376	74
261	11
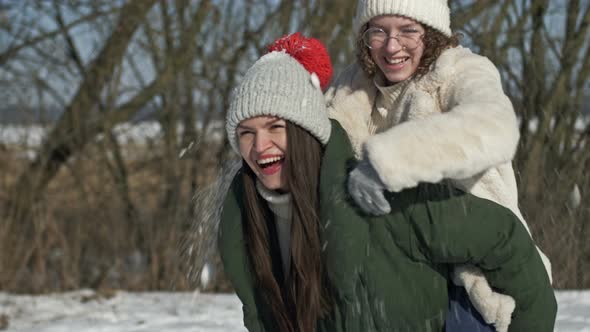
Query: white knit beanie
279	85
434	13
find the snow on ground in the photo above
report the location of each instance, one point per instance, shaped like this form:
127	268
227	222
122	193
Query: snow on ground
573	312
126	133
85	311
30	137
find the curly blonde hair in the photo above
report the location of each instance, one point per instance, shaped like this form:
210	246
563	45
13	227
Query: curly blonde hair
434	44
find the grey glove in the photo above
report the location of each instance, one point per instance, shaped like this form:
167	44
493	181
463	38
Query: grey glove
366	188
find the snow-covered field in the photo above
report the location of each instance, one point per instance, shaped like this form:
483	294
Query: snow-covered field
85	311
126	133
30	137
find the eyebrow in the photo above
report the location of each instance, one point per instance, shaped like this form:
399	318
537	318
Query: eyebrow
407	25
410	25
267	123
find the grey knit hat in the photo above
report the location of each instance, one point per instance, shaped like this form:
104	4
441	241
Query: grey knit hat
434	13
278	84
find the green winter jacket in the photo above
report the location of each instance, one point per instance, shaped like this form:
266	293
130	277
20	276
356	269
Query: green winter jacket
390	273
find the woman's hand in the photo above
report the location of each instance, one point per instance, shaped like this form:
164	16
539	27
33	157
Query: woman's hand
366	189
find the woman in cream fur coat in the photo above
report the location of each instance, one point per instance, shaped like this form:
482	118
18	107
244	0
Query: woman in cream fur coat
419	108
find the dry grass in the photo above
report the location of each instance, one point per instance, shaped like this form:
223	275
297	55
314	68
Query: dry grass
83	235
562	233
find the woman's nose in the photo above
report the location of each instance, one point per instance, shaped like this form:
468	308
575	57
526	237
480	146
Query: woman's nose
393	45
261	142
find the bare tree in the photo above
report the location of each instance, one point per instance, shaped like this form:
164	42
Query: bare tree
176	62
541	48
196	51
80	122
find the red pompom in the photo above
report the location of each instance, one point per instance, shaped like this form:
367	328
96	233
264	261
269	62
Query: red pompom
310	53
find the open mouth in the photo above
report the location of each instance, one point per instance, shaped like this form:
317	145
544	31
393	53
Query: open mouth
396	61
268	162
270	165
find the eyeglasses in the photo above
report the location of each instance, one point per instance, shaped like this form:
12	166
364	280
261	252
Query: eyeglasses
377	37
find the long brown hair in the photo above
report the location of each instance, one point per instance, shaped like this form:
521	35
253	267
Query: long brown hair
434	44
302	300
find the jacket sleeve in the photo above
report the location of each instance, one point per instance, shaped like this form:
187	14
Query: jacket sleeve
476	130
232	248
449	226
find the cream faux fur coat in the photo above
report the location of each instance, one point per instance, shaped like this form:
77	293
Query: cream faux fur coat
453	123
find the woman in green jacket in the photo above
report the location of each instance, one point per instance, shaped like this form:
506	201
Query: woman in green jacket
301	257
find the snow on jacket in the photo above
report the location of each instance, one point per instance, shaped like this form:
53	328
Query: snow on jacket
390	273
455	122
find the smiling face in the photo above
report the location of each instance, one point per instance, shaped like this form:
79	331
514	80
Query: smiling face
397	62
263	145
